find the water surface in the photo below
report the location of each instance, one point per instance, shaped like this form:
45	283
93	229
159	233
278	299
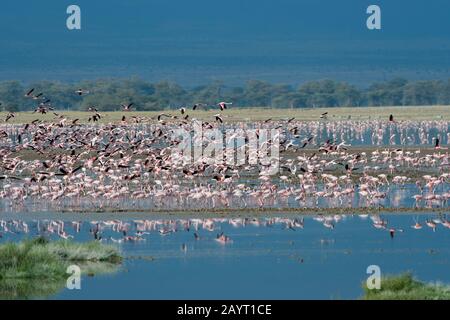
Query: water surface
268	258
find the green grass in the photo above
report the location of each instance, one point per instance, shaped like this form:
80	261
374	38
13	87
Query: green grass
36	268
405	287
258	114
42	259
84	252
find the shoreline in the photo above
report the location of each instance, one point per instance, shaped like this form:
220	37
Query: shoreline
256	114
215	213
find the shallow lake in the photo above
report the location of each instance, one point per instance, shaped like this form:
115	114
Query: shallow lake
267	257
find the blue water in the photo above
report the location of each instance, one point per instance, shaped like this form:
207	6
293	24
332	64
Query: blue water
267	262
195	42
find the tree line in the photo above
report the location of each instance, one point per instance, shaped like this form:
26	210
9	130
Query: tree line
110	94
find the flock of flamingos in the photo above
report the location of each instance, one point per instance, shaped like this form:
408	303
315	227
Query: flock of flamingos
132	164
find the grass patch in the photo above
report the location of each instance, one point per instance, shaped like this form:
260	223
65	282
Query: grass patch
84	252
257	114
37	268
405	287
